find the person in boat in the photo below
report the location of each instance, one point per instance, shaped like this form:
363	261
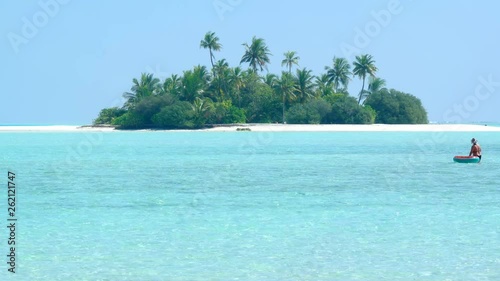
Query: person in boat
475	150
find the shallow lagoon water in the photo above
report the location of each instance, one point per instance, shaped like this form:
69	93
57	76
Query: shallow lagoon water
253	206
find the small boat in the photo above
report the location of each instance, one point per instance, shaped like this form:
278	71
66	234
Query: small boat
466	159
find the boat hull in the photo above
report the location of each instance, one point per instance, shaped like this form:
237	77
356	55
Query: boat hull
466	159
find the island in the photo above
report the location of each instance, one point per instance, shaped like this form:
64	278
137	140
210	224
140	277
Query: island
204	97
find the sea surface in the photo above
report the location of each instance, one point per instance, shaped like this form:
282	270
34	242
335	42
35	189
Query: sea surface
251	206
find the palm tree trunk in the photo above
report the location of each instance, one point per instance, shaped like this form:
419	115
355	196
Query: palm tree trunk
211	58
221	95
362	90
239	96
284	108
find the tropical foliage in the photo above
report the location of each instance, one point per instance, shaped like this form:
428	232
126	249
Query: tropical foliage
256	54
394	107
363	66
225	94
290	59
108	115
211	42
339	74
145	87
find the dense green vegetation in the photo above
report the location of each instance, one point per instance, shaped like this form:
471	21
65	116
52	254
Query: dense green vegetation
394	107
226	95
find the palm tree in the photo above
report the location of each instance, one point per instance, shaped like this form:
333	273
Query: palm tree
201	72
375	85
211	42
194	83
256	54
339	74
304	84
147	86
291	58
221	74
363	66
201	108
323	85
171	85
237	81
285	87
270	79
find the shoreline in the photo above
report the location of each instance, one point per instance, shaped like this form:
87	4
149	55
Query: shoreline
275	128
56	128
359	128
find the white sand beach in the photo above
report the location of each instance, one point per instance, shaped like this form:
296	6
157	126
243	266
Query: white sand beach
283	128
55	128
359	128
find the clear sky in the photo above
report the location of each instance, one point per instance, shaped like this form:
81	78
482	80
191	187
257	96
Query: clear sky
64	60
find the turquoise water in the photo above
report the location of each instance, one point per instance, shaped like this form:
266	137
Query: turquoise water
252	206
